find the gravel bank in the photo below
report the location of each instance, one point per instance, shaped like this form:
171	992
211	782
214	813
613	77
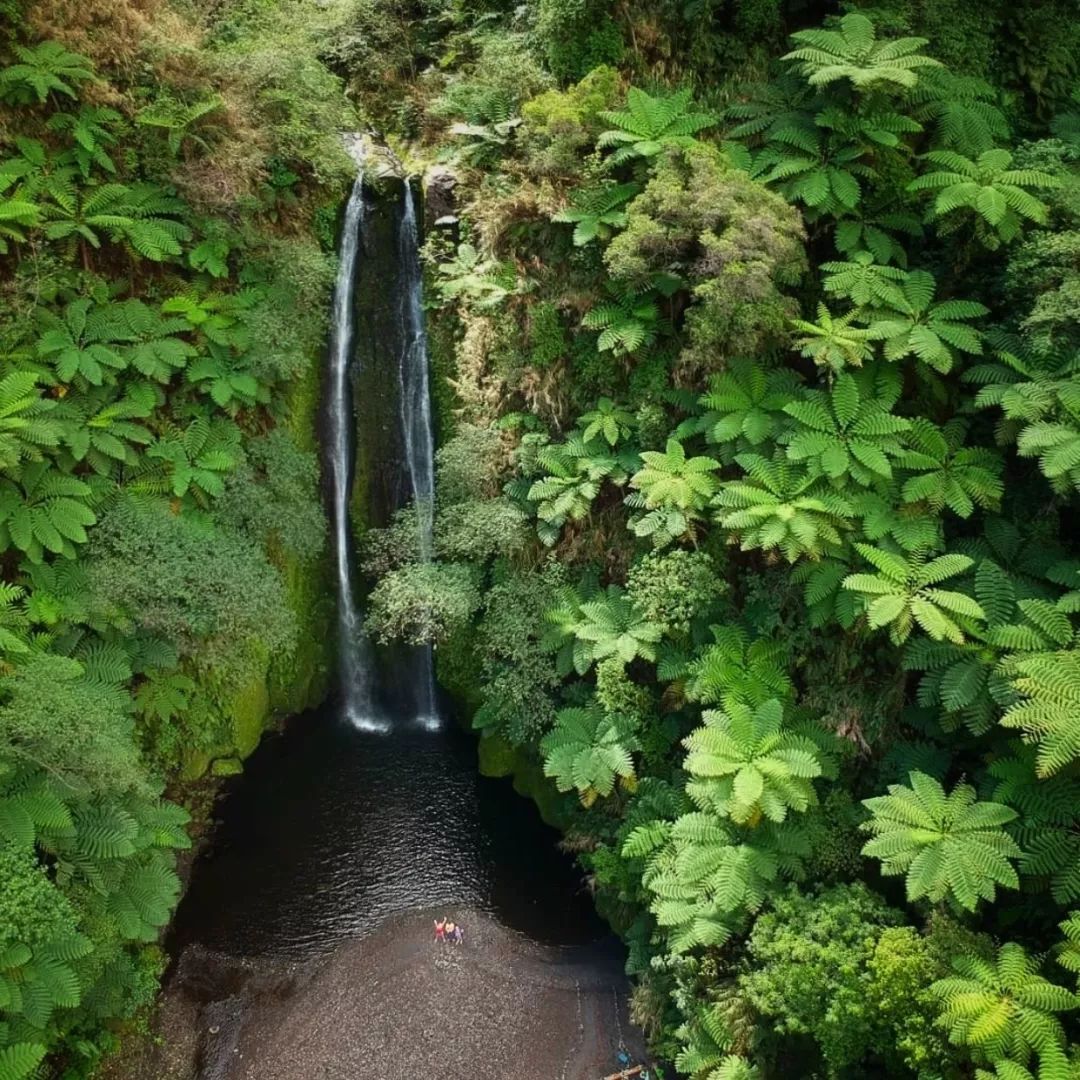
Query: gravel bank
397	1006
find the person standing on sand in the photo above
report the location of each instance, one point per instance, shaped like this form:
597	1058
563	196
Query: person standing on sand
459	935
449	930
440	929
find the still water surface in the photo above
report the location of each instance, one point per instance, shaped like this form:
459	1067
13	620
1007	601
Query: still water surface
329	830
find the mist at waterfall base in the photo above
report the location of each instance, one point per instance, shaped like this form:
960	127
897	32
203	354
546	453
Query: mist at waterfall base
370	807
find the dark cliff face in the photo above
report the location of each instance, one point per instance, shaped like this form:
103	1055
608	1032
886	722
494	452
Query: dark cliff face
380	482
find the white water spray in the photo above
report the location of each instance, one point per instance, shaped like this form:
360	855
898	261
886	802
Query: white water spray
415	406
354	653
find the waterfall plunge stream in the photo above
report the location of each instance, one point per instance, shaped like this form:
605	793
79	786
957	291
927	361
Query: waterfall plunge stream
354	653
355	656
414	400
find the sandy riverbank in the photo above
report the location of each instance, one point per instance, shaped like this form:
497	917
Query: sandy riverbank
396	1006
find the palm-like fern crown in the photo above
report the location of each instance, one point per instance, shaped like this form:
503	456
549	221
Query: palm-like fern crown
853	52
1006	1009
670	478
648	124
833	342
588	750
947	845
744	405
904	594
847	432
1049	710
986	186
747	767
596	212
43	69
781	506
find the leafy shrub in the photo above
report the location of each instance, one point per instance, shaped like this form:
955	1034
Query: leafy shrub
206	590
275	493
811	956
519	671
79	728
577	36
736	244
423	603
674	588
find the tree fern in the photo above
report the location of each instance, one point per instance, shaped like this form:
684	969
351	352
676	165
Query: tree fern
735	670
25	428
744	404
833	342
948	473
946	845
853	52
1048	713
745	766
915	326
44	510
780	506
1003	1008
596	212
987	187
649	124
848	433
903	595
588	750
43	69
629	323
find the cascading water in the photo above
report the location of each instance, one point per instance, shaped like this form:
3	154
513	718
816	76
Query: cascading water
415	407
354	657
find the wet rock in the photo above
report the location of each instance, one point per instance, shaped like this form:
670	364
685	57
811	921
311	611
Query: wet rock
440	201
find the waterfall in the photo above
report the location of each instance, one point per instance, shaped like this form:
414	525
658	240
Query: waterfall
414	399
354	657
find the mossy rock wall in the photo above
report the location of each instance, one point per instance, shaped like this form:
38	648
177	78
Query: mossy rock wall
379	483
281	684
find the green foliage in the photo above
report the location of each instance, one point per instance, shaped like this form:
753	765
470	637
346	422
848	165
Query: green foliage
674	489
811	974
847	433
996	194
917	327
596	212
206	590
575	471
736	245
588	750
649	125
134	396
675	588
902	595
854	53
576	36
423	603
784	507
43	69
946	845
1048	685
1005	1010
608	625
747	767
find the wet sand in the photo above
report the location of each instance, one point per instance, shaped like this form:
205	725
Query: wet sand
396	1005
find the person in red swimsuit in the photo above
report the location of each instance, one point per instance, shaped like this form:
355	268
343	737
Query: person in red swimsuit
440	929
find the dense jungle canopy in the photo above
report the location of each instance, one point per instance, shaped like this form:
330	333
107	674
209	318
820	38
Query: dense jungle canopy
754	331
